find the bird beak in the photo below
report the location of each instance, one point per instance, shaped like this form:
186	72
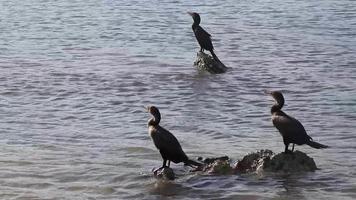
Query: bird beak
190	13
267	92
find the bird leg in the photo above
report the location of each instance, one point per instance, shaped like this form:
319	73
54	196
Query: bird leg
169	163
293	147
286	150
164	163
163	166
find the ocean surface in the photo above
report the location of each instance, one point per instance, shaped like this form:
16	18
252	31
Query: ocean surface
75	77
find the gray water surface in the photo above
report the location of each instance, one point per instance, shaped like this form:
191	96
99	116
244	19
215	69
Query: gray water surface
75	75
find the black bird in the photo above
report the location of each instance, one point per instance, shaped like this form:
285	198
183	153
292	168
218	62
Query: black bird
203	37
291	129
165	141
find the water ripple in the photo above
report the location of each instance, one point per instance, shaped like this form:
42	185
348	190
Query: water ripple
75	77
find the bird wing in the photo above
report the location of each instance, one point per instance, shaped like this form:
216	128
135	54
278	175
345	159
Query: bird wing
290	128
167	143
204	38
203	32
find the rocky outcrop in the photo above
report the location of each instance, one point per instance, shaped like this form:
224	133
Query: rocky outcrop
256	162
217	166
205	62
253	161
164	173
266	160
291	162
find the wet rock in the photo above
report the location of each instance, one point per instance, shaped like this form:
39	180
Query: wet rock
257	162
205	62
291	162
253	161
216	165
211	160
164	173
266	160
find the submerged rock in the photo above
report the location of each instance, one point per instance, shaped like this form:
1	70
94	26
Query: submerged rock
164	173
205	62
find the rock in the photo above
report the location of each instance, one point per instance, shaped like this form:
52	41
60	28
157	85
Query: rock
205	62
252	161
211	160
294	162
266	160
218	167
257	162
164	173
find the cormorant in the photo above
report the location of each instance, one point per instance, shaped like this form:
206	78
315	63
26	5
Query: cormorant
203	37
165	141
291	129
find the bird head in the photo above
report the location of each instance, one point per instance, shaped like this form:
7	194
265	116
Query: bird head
153	110
156	115
277	96
195	17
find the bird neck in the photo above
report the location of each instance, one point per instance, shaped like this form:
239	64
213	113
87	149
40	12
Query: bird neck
154	121
276	107
195	26
196	22
279	102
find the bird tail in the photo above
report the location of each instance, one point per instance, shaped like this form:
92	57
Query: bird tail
316	145
215	56
192	163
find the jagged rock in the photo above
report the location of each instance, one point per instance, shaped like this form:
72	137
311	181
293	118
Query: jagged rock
218	167
164	173
260	161
295	162
252	161
211	160
205	62
266	160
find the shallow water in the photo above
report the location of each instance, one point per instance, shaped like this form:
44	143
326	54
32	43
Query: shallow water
75	76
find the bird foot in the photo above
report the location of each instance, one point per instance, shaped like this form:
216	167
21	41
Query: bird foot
288	152
158	169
